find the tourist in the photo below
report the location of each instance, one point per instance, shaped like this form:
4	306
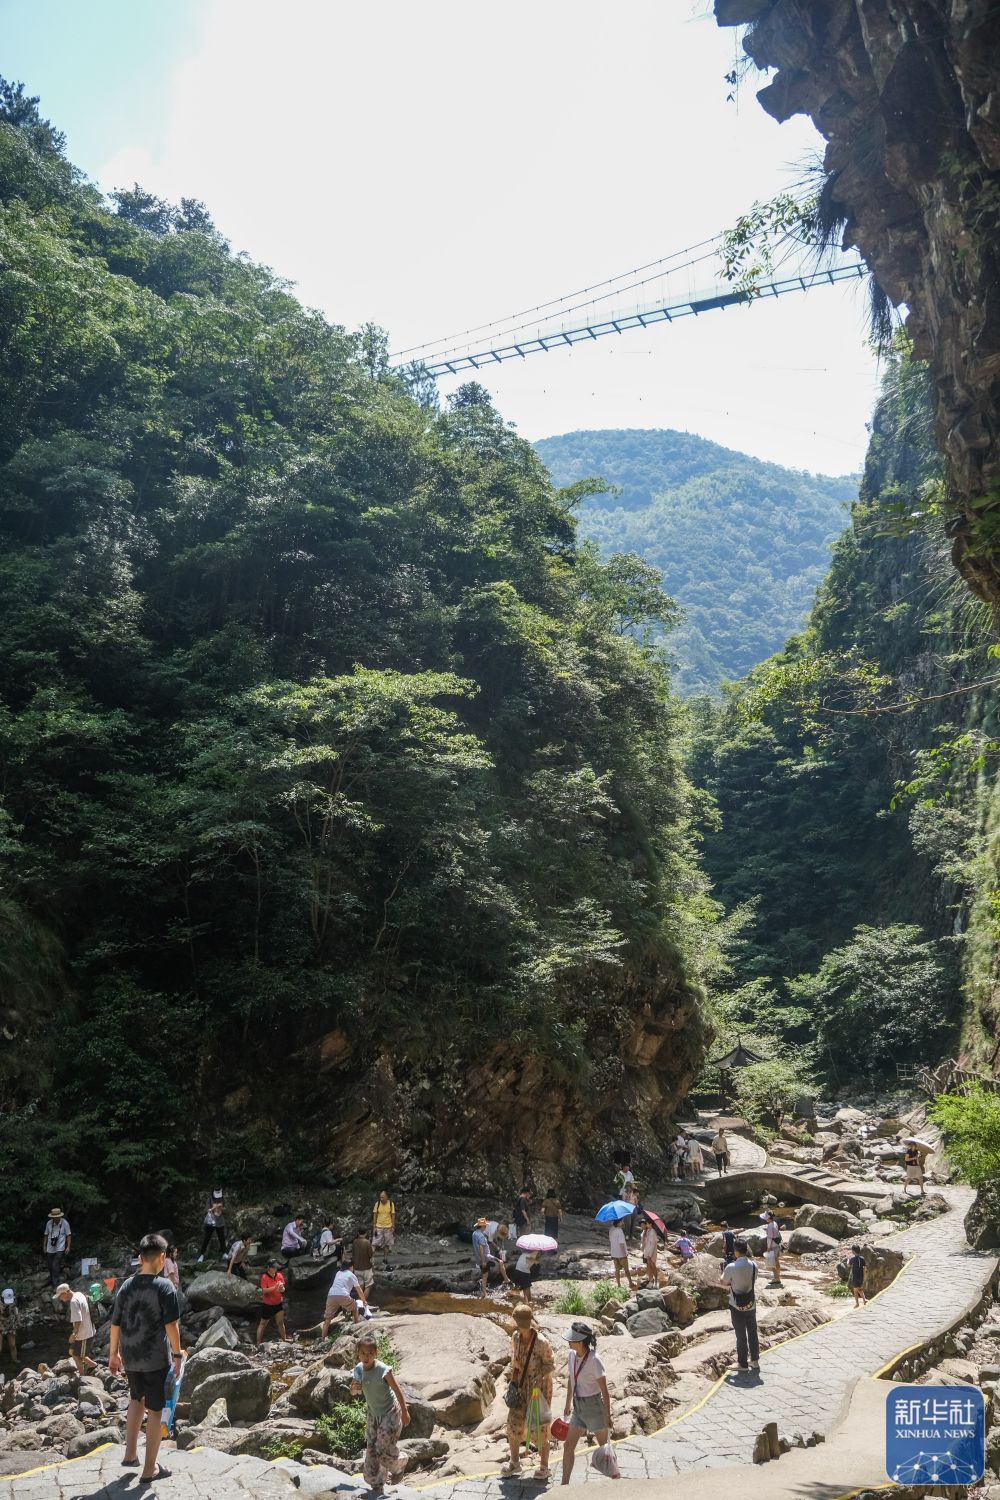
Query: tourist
81	1326
214	1222
728	1243
327	1243
525	1270
239	1254
483	1257
272	1296
672	1160
740	1277
624	1175
171	1269
856	1267
772	1230
619	1255
10	1321
649	1248
294	1240
522	1213
384	1224
683	1246
363	1260
387	1414
914	1164
552	1213
695	1158
680	1145
529	1377
720	1148
146	1339
57	1242
586	1395
630	1194
344	1294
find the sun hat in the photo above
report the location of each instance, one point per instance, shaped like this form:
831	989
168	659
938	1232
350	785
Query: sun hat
8	1295
55	1213
578	1333
481	1223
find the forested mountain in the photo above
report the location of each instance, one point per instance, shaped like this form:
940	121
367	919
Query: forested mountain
742	545
341	826
856	782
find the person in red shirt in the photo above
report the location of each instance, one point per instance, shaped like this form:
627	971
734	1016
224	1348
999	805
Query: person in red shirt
272	1295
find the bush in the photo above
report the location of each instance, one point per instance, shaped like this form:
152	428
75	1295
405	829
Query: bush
386	1352
283	1448
582	1299
971	1126
343	1429
838	1289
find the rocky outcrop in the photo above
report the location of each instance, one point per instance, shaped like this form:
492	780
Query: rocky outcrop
906	94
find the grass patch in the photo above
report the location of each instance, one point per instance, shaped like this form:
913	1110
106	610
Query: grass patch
343	1429
283	1448
386	1352
838	1289
581	1299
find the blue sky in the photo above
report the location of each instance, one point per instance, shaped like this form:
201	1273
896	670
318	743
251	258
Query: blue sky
429	166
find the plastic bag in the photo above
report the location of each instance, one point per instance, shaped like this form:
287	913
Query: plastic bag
605	1461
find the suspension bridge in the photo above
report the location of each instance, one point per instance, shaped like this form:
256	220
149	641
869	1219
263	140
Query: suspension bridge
566	321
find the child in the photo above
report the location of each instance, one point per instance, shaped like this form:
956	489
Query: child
684	1247
387	1414
619	1255
856	1267
10	1320
649	1250
523	1271
552	1211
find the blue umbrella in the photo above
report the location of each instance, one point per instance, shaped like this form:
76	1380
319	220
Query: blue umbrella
612	1212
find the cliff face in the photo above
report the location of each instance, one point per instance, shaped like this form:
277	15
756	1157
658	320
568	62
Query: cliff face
907	95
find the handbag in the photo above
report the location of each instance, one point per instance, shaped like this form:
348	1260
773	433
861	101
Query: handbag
514	1394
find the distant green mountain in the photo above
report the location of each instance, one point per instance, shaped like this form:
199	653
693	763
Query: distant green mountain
742	544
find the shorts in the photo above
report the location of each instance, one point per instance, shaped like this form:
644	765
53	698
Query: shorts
620	1263
340	1304
383	1239
366	1279
271	1310
149	1386
79	1346
520	1279
588	1414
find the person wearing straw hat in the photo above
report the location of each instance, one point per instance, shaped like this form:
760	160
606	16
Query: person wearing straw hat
529	1391
387	1414
485	1258
10	1321
586	1394
57	1242
81	1326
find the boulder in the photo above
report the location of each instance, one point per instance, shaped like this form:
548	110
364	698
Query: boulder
804	1107
832	1221
649	1297
703	1274
680	1304
649	1321
421	1451
208	1362
247	1394
810	1241
217	1414
451	1361
86	1442
61	1428
216	1289
220	1334
887	1128
319	1391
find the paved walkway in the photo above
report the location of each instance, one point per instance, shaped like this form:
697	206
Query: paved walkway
805	1385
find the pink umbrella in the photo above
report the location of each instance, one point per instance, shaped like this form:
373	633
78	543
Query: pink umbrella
538	1244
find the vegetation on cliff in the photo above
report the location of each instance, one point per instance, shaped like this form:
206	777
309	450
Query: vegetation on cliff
742	545
313	717
855	777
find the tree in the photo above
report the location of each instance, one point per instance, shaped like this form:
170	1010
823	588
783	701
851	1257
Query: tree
765	1091
21	110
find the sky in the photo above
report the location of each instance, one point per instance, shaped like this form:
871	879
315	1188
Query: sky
429	165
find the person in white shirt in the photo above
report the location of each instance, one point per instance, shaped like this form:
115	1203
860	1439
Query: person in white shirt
57	1242
649	1249
619	1255
345	1293
81	1326
586	1395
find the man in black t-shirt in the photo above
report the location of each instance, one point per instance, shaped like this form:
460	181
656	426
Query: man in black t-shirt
146	1339
522	1212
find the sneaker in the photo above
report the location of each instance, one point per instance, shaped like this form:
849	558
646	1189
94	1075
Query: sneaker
512	1466
755	1364
544	1473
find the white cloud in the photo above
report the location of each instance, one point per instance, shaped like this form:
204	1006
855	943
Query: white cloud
432	165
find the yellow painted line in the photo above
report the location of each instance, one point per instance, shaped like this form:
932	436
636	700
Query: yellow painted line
59	1464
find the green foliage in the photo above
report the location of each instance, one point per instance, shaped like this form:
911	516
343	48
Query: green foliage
837	1289
343	1429
970	1123
747	250
386	1352
581	1299
741	545
276	1448
887	996
313	715
766	1090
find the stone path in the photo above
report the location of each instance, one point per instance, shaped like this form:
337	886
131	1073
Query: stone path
804	1385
